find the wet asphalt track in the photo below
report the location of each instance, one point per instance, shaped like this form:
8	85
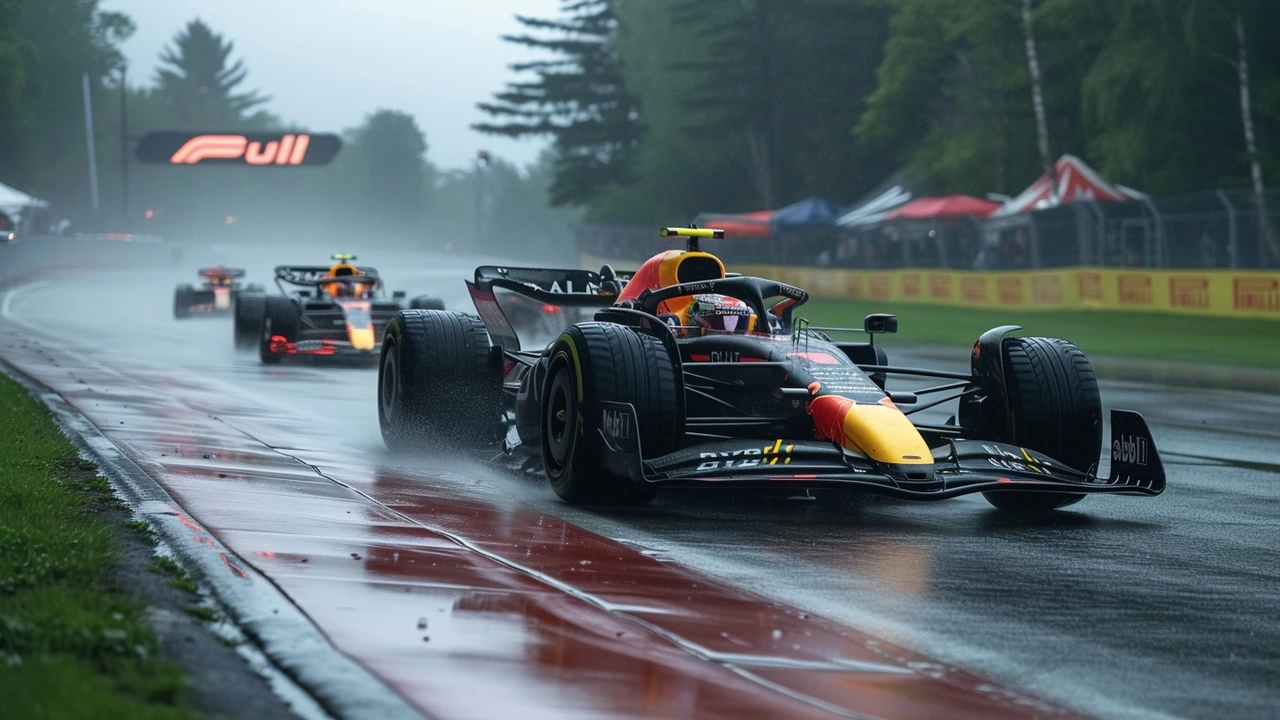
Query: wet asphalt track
1119	607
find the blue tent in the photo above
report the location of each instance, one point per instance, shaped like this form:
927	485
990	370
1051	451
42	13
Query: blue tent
811	213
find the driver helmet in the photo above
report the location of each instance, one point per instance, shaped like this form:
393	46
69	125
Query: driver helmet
721	313
345	289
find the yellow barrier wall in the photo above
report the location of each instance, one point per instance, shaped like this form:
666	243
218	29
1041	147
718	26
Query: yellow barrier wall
1225	293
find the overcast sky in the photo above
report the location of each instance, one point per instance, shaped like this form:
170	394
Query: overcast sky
328	63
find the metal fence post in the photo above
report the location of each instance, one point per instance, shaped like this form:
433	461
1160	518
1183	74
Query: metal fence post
1161	251
1232	248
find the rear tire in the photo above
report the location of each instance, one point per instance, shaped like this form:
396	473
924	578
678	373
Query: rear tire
248	319
593	363
282	318
1054	408
436	387
182	301
426	303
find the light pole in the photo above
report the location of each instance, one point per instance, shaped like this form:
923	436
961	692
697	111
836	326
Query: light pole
482	161
124	140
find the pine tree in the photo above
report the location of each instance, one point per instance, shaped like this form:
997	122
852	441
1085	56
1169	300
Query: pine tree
197	82
578	99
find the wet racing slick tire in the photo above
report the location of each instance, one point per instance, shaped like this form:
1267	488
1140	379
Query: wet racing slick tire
593	363
281	318
248	317
1055	408
426	303
437	388
182	300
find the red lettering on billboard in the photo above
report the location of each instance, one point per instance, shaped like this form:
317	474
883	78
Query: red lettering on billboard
973	289
911	285
1090	286
881	287
940	287
1009	290
1189	292
853	286
1046	290
1135	290
1249	293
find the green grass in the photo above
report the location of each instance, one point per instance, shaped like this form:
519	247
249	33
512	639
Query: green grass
201	612
72	644
1143	336
177	576
143	528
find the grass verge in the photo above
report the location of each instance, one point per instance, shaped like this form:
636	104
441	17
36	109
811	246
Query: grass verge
73	643
1143	336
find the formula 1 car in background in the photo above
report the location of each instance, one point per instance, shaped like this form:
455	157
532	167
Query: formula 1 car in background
217	293
689	376
324	311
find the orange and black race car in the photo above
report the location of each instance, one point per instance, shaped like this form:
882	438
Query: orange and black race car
216	295
340	309
682	374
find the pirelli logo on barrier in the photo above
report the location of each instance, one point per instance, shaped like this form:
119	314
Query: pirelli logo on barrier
881	287
1257	294
973	289
1046	290
1009	290
853	287
243	149
911	285
940	287
1135	290
1090	284
1191	293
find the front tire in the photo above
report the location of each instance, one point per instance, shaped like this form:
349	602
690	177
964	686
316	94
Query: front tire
182	301
436	387
1054	408
592	363
248	319
282	319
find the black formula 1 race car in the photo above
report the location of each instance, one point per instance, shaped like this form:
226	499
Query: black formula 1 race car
679	374
219	289
321	311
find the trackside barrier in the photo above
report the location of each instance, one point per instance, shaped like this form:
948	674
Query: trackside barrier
1221	293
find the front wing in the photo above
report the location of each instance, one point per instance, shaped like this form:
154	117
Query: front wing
960	467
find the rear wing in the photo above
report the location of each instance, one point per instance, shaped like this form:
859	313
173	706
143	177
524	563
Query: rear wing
309	275
556	287
548	280
221	272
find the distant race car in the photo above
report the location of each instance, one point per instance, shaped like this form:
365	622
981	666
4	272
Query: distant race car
680	374
323	311
216	295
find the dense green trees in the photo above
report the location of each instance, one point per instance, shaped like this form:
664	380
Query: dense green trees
578	99
747	104
52	44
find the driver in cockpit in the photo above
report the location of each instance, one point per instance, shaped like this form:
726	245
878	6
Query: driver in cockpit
345	289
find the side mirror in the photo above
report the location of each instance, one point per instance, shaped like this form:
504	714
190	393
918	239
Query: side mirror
880	323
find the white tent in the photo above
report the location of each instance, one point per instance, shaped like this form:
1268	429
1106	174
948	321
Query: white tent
874	210
13	202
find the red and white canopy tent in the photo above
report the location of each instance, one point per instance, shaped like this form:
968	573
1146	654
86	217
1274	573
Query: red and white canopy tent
950	207
1075	181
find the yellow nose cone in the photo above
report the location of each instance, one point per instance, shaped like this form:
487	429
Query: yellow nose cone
361	338
880	431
